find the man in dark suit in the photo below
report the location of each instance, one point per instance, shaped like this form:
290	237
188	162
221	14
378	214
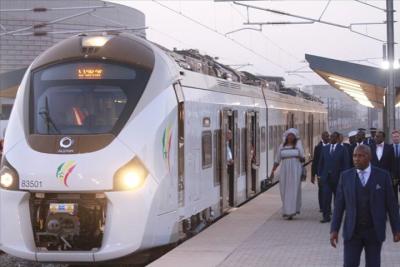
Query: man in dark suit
371	140
382	156
396	160
362	134
314	165
334	160
359	140
364	192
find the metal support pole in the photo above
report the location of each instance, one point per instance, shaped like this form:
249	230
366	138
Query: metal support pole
390	90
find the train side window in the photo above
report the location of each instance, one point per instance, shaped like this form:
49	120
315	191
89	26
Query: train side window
263	136
206	145
237	148
270	137
281	129
217	164
243	132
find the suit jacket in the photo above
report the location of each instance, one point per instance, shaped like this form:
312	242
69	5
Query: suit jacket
386	161
395	164
333	164
369	141
382	203
351	150
316	157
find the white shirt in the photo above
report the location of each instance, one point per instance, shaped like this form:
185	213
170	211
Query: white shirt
229	156
332	148
367	173
379	150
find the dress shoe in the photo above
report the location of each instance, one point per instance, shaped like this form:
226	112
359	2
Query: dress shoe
325	220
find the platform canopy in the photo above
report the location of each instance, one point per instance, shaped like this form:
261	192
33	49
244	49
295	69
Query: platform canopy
365	84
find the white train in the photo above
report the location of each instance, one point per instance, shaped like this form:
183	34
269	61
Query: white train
114	146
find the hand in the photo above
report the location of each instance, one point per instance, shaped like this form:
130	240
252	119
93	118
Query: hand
334	239
396	237
230	162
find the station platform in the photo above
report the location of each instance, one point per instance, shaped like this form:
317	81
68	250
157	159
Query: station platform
255	234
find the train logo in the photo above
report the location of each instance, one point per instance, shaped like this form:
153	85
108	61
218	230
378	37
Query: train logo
66	142
166	145
64	170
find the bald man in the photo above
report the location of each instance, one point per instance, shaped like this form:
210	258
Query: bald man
365	194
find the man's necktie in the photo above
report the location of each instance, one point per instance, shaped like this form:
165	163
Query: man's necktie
332	149
363	178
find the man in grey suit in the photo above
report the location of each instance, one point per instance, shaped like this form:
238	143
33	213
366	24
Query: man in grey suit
365	194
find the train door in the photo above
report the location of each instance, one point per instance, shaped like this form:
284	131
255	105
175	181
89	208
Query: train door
229	155
290	120
181	144
252	153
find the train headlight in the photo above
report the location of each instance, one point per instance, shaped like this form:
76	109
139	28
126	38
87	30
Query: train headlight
94	41
131	176
6	179
8	176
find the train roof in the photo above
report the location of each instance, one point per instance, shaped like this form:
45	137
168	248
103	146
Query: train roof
192	60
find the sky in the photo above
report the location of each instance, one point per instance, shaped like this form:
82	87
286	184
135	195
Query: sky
276	50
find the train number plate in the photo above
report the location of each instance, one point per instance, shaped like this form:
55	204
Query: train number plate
29	184
70	208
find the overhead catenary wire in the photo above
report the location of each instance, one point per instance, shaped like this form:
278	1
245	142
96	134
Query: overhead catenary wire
323	12
312	20
266	37
47	23
221	34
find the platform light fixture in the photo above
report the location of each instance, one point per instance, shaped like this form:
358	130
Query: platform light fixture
349	86
347	89
365	103
342	81
358	96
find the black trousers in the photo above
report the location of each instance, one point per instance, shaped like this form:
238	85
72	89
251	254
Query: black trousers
396	189
363	239
328	189
320	196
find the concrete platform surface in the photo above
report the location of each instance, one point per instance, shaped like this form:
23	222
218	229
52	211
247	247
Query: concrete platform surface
257	235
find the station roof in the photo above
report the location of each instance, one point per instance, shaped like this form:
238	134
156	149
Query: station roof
365	84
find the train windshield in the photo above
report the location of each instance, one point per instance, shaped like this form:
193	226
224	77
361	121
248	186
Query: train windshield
84	98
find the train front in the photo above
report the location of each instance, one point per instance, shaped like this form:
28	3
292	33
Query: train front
71	189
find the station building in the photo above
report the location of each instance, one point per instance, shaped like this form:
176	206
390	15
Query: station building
27	28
